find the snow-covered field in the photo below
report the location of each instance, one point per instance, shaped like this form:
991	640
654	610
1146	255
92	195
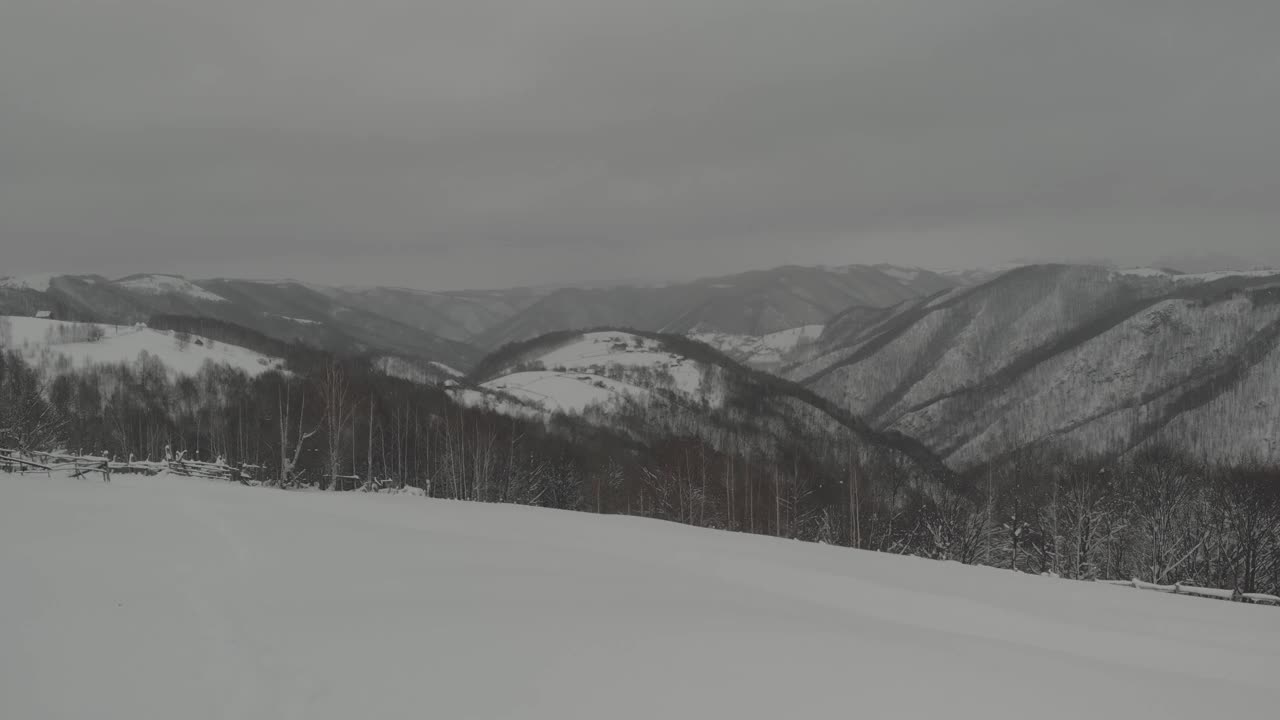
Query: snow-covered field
593	369
564	392
41	341
621	349
168	597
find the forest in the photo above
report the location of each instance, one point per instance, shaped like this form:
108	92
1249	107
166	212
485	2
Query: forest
335	423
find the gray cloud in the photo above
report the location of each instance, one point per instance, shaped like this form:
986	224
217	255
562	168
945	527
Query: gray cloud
491	142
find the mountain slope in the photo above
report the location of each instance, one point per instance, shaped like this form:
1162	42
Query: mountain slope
482	611
286	311
458	316
748	304
660	385
447	327
295	311
1089	358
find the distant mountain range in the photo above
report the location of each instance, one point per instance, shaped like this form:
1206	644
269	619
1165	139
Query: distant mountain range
457	328
974	365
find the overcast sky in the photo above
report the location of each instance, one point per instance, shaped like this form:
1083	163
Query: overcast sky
455	143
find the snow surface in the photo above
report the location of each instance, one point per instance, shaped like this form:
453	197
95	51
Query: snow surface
597	369
123	344
446	369
1223	274
168	285
760	350
300	321
424	373
496	401
564	392
902	274
621	349
39	283
171	597
1197	277
1143	272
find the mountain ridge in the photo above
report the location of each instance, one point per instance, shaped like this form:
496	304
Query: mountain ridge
1156	348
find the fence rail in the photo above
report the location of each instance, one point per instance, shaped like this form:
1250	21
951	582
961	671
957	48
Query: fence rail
81	465
1214	593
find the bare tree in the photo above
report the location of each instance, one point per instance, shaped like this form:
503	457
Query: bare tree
335	389
288	464
1162	492
27	420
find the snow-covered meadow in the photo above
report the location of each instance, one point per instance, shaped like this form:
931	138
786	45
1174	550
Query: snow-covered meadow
595	369
43	342
167	597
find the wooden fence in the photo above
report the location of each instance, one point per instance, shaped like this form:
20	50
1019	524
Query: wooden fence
82	465
1192	590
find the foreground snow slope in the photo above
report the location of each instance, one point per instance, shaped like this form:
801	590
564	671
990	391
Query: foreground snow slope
178	598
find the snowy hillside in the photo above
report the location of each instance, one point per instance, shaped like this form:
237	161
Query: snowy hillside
170	597
602	351
1091	359
561	391
424	372
46	342
765	352
37	283
168	285
596	369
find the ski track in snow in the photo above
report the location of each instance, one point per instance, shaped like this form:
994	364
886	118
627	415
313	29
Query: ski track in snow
171	597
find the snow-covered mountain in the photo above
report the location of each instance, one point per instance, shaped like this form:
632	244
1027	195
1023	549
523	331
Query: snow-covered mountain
1093	359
